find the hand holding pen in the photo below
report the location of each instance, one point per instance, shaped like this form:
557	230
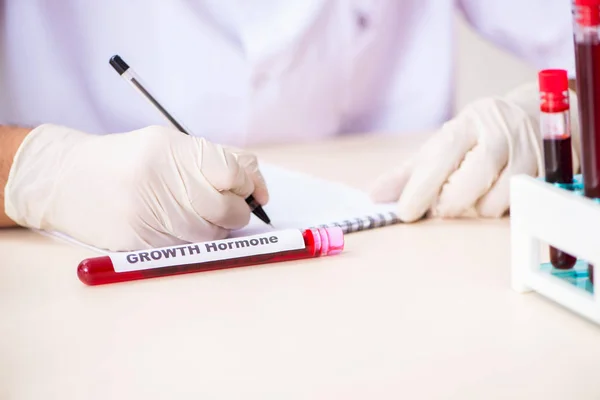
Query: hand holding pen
127	73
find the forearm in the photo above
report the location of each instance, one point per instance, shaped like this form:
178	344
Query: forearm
10	140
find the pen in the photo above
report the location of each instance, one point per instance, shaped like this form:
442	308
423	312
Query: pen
284	245
127	73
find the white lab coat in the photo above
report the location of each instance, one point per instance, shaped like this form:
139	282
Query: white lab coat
241	72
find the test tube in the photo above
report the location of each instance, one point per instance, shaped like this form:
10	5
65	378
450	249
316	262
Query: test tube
272	247
586	34
555	127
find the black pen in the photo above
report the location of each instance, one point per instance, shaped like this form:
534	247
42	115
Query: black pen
129	75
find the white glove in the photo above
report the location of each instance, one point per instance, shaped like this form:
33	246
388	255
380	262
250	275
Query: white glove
146	188
466	167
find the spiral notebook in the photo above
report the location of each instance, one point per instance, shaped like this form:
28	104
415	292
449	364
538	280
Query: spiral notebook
301	201
298	200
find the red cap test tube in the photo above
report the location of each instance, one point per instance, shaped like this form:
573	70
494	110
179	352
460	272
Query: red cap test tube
555	126
284	245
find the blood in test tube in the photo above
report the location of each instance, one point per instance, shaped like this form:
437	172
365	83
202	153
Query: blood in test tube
555	127
586	34
175	260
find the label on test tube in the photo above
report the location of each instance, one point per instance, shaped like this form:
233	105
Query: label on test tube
271	242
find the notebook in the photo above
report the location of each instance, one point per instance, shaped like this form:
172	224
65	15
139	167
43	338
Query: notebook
301	201
298	200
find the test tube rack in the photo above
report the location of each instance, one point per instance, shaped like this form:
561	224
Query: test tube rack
559	216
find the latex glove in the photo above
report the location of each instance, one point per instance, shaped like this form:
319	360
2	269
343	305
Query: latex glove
147	188
465	168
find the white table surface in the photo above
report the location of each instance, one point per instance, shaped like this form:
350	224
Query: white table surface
419	311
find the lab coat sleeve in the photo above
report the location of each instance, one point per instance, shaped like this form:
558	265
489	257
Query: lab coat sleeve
539	32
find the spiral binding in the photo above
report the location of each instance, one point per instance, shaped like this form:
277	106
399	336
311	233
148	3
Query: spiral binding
364	223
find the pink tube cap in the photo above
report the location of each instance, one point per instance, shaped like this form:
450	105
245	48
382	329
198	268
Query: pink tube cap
332	240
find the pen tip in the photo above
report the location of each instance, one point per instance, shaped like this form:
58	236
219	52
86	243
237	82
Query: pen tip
118	64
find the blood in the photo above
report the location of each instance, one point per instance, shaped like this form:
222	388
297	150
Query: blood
558	164
587	56
558	160
561	260
99	271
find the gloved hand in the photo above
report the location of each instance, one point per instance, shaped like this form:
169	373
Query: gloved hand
146	188
467	165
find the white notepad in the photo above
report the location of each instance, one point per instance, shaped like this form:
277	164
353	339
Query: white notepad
300	201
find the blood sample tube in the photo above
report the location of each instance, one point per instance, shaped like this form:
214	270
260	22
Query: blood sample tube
586	34
265	248
555	126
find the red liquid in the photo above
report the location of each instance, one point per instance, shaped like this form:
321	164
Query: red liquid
558	164
560	259
587	56
99	270
558	160
588	94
